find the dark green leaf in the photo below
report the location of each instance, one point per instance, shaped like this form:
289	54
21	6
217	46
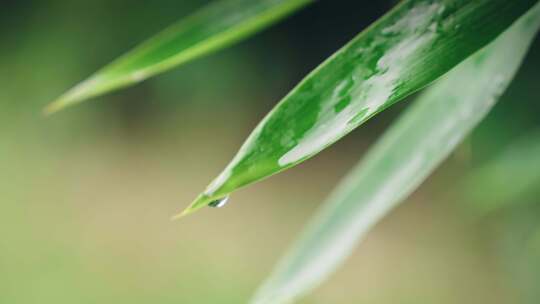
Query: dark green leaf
411	46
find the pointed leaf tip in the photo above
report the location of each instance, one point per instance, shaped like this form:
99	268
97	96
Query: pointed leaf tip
182	214
54	107
200	202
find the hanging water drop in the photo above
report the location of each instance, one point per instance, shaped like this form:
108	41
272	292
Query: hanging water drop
219	202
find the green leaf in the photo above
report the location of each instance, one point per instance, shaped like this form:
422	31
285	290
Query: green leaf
411	46
512	177
398	163
215	26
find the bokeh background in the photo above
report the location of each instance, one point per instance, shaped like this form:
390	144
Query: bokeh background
86	194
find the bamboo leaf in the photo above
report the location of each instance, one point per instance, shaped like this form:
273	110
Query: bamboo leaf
215	26
398	163
411	46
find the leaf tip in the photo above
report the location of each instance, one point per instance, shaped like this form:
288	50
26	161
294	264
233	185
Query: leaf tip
181	214
89	88
54	107
198	203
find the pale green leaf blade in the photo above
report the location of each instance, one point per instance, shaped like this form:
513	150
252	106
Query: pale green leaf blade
411	46
215	26
421	139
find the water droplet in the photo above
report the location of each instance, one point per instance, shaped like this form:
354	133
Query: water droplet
219	202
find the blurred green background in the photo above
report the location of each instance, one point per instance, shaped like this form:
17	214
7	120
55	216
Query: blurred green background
86	195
